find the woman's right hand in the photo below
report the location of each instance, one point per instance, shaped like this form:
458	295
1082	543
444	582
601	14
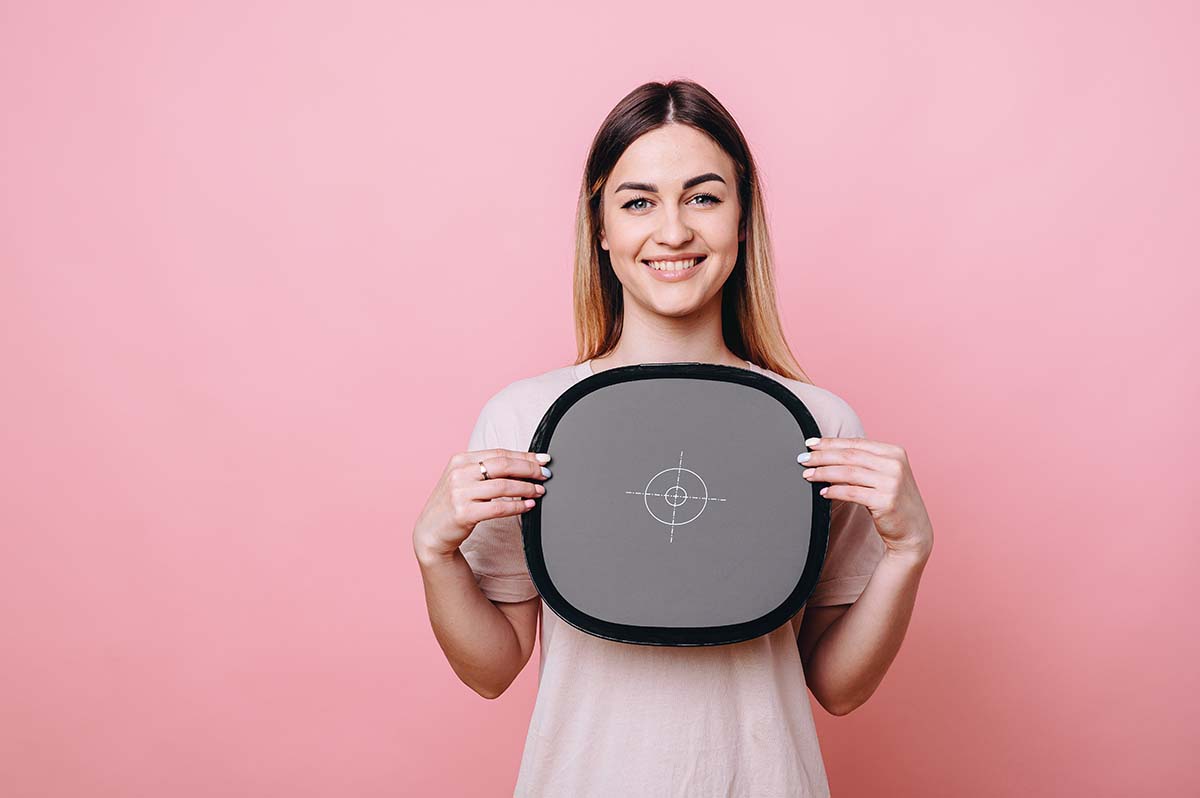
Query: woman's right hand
460	500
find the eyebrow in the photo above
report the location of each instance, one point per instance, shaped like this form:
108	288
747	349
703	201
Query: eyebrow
693	181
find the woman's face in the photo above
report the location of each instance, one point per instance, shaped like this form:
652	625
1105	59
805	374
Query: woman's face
649	213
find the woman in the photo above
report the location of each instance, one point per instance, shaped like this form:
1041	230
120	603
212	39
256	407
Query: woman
673	263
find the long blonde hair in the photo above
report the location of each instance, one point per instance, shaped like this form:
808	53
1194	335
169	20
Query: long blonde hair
749	317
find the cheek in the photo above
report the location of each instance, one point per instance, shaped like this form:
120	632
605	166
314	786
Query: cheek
624	243
720	226
723	238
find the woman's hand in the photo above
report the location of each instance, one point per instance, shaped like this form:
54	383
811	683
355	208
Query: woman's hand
461	498
877	476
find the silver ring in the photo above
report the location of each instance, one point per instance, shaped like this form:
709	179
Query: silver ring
483	470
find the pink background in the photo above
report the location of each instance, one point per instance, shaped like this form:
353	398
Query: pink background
263	263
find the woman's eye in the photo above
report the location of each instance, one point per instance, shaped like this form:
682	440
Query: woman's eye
711	201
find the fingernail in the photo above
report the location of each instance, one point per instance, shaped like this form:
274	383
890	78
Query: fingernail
812	442
543	458
803	458
545	471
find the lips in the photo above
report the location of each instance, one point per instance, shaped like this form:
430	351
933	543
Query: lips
679	274
669	263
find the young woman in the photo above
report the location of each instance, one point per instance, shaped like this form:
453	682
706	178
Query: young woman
673	263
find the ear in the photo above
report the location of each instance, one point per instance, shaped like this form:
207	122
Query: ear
603	240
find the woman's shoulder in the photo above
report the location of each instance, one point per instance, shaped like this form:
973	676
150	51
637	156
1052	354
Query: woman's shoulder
834	415
535	387
518	406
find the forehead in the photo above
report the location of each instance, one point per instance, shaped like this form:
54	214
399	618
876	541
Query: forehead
668	155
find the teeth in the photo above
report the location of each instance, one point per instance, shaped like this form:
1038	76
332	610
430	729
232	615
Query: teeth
672	265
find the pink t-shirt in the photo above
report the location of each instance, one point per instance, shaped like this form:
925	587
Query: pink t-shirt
617	719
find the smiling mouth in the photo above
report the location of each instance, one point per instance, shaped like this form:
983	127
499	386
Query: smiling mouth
674	265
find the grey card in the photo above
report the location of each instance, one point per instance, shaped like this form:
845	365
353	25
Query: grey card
677	513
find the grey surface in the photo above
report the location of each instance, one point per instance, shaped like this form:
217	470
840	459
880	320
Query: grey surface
731	559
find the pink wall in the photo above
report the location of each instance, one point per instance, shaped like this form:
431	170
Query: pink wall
262	264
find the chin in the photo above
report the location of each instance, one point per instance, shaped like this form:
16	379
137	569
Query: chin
676	309
676	313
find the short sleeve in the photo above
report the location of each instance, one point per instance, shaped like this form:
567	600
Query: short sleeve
494	549
854	548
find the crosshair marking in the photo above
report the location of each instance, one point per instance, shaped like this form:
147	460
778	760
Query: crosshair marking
675	496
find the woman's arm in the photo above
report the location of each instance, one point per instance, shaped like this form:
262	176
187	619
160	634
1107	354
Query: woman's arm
484	648
850	659
486	644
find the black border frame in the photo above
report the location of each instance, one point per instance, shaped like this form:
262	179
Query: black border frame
676	636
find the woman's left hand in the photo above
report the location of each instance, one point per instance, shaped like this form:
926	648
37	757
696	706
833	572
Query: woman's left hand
877	476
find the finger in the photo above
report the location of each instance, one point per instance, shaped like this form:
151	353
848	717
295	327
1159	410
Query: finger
513	464
845	475
846	493
481	454
482	511
501	488
848	456
863	444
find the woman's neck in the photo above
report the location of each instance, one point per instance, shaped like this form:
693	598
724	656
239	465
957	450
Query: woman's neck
648	337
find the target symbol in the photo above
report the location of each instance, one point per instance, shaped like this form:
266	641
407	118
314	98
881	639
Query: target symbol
675	496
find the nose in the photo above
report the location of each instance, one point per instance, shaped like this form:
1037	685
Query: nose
673	232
